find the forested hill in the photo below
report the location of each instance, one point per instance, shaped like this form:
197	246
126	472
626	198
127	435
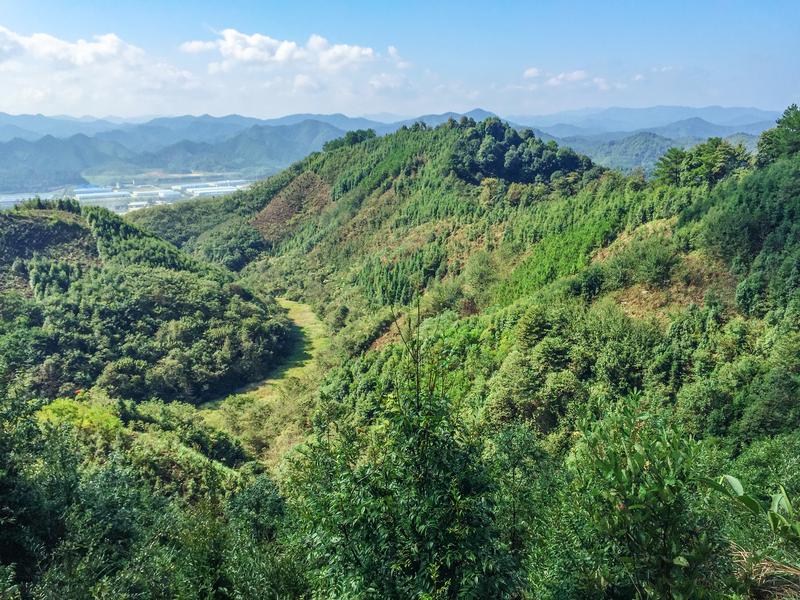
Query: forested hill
88	298
476	212
380	220
539	372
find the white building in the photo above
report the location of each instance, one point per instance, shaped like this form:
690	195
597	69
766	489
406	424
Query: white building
100	196
212	191
153	193
90	189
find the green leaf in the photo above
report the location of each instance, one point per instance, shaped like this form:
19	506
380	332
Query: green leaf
680	561
714	485
753	505
734	483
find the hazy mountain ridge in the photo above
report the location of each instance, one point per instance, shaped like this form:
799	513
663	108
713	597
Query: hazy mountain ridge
45	152
257	151
631	119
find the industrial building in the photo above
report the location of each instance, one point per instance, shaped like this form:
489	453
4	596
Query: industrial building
211	191
152	193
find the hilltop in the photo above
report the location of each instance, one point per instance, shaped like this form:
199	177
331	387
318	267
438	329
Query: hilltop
55	152
97	300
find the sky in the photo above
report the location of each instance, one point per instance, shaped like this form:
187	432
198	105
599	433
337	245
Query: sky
268	58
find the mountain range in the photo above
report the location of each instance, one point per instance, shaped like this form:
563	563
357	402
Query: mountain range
40	152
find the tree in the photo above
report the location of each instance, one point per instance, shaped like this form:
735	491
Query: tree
351	138
783	140
635	480
403	508
480	274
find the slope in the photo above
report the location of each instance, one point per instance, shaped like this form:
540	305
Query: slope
91	300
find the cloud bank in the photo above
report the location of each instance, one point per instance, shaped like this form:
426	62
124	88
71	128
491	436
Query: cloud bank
255	73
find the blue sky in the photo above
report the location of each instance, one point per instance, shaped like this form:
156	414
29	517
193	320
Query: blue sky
269	58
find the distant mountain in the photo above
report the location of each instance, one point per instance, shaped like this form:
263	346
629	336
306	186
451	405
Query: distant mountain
749	141
9	132
632	119
478	114
641	149
56	126
564	130
50	162
627	150
386	117
337	120
696	127
164	131
34	160
255	151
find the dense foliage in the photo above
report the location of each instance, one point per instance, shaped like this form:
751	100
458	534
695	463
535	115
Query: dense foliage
538	371
136	316
493	149
350	138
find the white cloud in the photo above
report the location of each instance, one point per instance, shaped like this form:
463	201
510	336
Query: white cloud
304	83
300	75
383	82
254	73
236	48
196	47
44	73
531	73
399	62
42	46
567	77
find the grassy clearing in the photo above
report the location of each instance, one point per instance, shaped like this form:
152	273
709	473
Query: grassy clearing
310	338
269	415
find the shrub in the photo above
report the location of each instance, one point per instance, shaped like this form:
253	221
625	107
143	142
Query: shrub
635	479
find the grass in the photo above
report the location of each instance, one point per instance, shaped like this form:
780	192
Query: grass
309	338
269	415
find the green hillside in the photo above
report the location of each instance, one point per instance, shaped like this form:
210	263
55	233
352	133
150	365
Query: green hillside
538	370
91	299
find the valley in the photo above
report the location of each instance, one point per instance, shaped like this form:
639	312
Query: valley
458	360
276	396
399	301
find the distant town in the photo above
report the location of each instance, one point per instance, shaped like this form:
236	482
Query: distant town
123	198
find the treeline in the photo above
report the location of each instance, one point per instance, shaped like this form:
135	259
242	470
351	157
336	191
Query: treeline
349	139
492	148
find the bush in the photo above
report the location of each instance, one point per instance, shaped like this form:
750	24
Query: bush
636	483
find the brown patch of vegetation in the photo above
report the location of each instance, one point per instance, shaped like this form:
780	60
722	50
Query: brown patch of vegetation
371	217
306	195
697	275
661	227
47	233
767	578
392	333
